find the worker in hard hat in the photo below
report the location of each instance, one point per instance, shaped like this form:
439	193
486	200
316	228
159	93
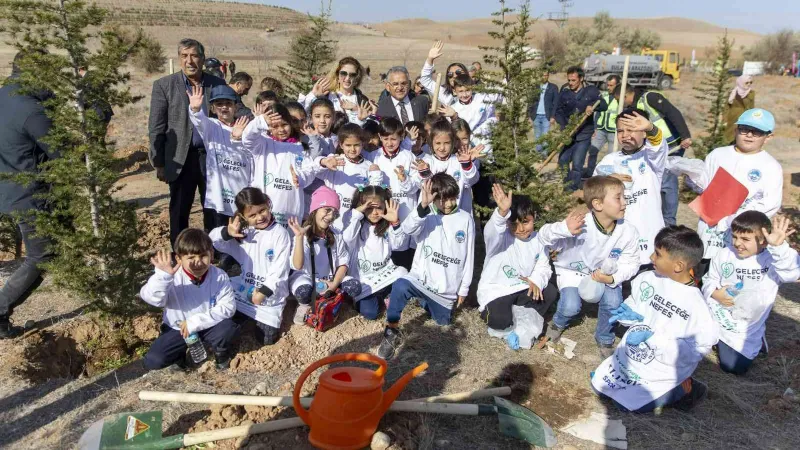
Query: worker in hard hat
670	121
605	125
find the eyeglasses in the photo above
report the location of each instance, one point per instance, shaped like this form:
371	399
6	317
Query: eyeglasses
398	85
345	74
745	130
331	211
454	73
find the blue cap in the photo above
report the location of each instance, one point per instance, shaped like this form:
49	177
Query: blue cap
758	118
223	92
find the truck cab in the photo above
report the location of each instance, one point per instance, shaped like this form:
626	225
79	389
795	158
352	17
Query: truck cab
670	66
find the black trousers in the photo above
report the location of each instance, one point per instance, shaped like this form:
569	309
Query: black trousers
170	347
181	194
28	275
499	312
404	258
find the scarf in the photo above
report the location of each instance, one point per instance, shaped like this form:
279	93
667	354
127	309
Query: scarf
741	89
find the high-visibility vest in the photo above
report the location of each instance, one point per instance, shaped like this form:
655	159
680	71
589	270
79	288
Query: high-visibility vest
656	119
607	120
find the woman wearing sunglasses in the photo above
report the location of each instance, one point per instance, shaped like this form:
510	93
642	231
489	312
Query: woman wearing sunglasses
742	98
341	88
447	94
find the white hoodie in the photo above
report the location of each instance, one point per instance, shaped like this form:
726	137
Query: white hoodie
508	258
683	332
405	193
742	326
264	258
464	177
346	179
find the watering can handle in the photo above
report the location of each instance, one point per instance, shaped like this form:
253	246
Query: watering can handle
365	357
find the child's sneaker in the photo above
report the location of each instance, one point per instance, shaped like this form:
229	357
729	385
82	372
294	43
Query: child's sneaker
391	341
553	335
223	361
605	350
698	392
300	314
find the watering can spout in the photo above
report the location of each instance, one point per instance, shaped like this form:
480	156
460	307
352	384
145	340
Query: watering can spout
393	392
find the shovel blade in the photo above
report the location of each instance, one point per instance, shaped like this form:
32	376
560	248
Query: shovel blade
125	430
521	423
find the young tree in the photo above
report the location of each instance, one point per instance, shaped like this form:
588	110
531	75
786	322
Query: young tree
94	235
309	53
515	77
713	92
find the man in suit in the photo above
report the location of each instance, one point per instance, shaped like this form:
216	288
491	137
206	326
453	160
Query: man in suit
176	149
241	83
542	109
397	104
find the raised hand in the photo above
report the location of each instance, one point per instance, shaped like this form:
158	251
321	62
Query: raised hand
533	290
362	208
364	111
471	154
273	119
392	214
401	173
321	87
503	201
447	111
260	109
436	51
238	128
195	98
297	228
295	179
308	129
162	261
235	227
624	312
331	162
421	166
427	196
413	133
575	222
635	122
780	231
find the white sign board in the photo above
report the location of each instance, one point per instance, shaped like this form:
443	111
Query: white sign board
754	68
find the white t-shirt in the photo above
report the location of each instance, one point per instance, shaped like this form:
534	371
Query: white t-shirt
760	173
508	258
580	255
229	168
264	258
324	271
742	326
444	259
683	332
643	198
464	177
346	179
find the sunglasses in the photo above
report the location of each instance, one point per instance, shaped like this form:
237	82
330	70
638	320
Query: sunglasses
455	73
345	74
745	130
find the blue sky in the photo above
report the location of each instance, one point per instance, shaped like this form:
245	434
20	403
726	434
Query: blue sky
763	16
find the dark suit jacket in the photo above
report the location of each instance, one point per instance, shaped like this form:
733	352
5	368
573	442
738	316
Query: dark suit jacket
570	103
419	105
550	102
169	125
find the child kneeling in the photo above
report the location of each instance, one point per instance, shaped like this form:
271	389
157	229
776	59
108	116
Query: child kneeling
196	297
442	269
742	283
671	329
261	247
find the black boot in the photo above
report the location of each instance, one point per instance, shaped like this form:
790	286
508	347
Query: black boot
5	327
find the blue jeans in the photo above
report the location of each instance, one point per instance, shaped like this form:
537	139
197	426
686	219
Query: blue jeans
170	347
570	305
403	291
732	361
576	154
540	127
667	399
369	306
669	198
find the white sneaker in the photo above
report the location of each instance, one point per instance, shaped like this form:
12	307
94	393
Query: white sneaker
300	314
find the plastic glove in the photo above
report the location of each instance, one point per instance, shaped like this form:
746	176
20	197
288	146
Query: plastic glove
637	337
513	340
624	312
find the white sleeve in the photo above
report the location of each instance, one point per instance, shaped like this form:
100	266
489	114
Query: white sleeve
351	227
279	267
657	156
414	225
201	123
712	280
156	291
427	81
306	253
224	308
628	264
305	172
493	232
469	264
542	270
396	236
342	254
309	99
471	175
784	263
231	246
551	233
252	139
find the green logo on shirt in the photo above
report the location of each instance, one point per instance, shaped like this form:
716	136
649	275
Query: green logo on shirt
268	179
727	270
510	272
647	291
364	265
427	251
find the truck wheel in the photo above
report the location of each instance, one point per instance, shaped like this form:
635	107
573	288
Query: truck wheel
665	83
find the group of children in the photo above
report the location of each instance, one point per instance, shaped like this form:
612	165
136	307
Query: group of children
382	213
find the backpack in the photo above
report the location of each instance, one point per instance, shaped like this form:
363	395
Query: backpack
325	311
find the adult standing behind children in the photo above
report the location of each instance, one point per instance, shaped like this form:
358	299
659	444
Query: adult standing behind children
176	148
341	88
241	84
397	104
542	111
742	98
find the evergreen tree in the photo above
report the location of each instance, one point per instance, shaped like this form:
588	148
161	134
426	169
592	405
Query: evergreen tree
515	156
94	235
713	92
309	53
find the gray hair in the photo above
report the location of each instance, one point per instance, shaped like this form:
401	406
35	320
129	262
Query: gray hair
398	69
192	43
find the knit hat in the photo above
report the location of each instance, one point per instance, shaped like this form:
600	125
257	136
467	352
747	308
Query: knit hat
324	197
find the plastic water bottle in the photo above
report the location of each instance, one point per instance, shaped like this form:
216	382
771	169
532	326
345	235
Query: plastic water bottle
733	290
197	350
321	286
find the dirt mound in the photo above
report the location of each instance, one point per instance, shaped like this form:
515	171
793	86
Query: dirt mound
156	229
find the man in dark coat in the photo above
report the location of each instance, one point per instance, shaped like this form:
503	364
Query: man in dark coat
23	124
398	104
542	109
241	84
176	148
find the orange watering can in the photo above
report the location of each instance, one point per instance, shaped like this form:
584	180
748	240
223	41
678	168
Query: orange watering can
349	401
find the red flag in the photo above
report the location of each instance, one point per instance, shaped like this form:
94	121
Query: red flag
723	197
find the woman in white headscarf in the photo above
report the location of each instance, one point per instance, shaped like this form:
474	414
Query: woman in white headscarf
742	98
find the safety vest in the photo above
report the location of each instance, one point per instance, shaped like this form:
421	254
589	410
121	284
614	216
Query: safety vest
607	120
656	119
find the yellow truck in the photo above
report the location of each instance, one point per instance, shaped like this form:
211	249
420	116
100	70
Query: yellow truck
658	69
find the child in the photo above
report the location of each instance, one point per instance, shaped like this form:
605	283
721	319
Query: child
352	171
229	168
442	140
640	165
372	231
372	140
447	95
319	256
750	165
271	84
339	120
442	269
517	267
297	111
196	297
759	258
416	130
476	109
585	242
267	98
320	140
262	249
281	170
670	331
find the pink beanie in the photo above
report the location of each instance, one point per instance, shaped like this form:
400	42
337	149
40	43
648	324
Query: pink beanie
324	197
